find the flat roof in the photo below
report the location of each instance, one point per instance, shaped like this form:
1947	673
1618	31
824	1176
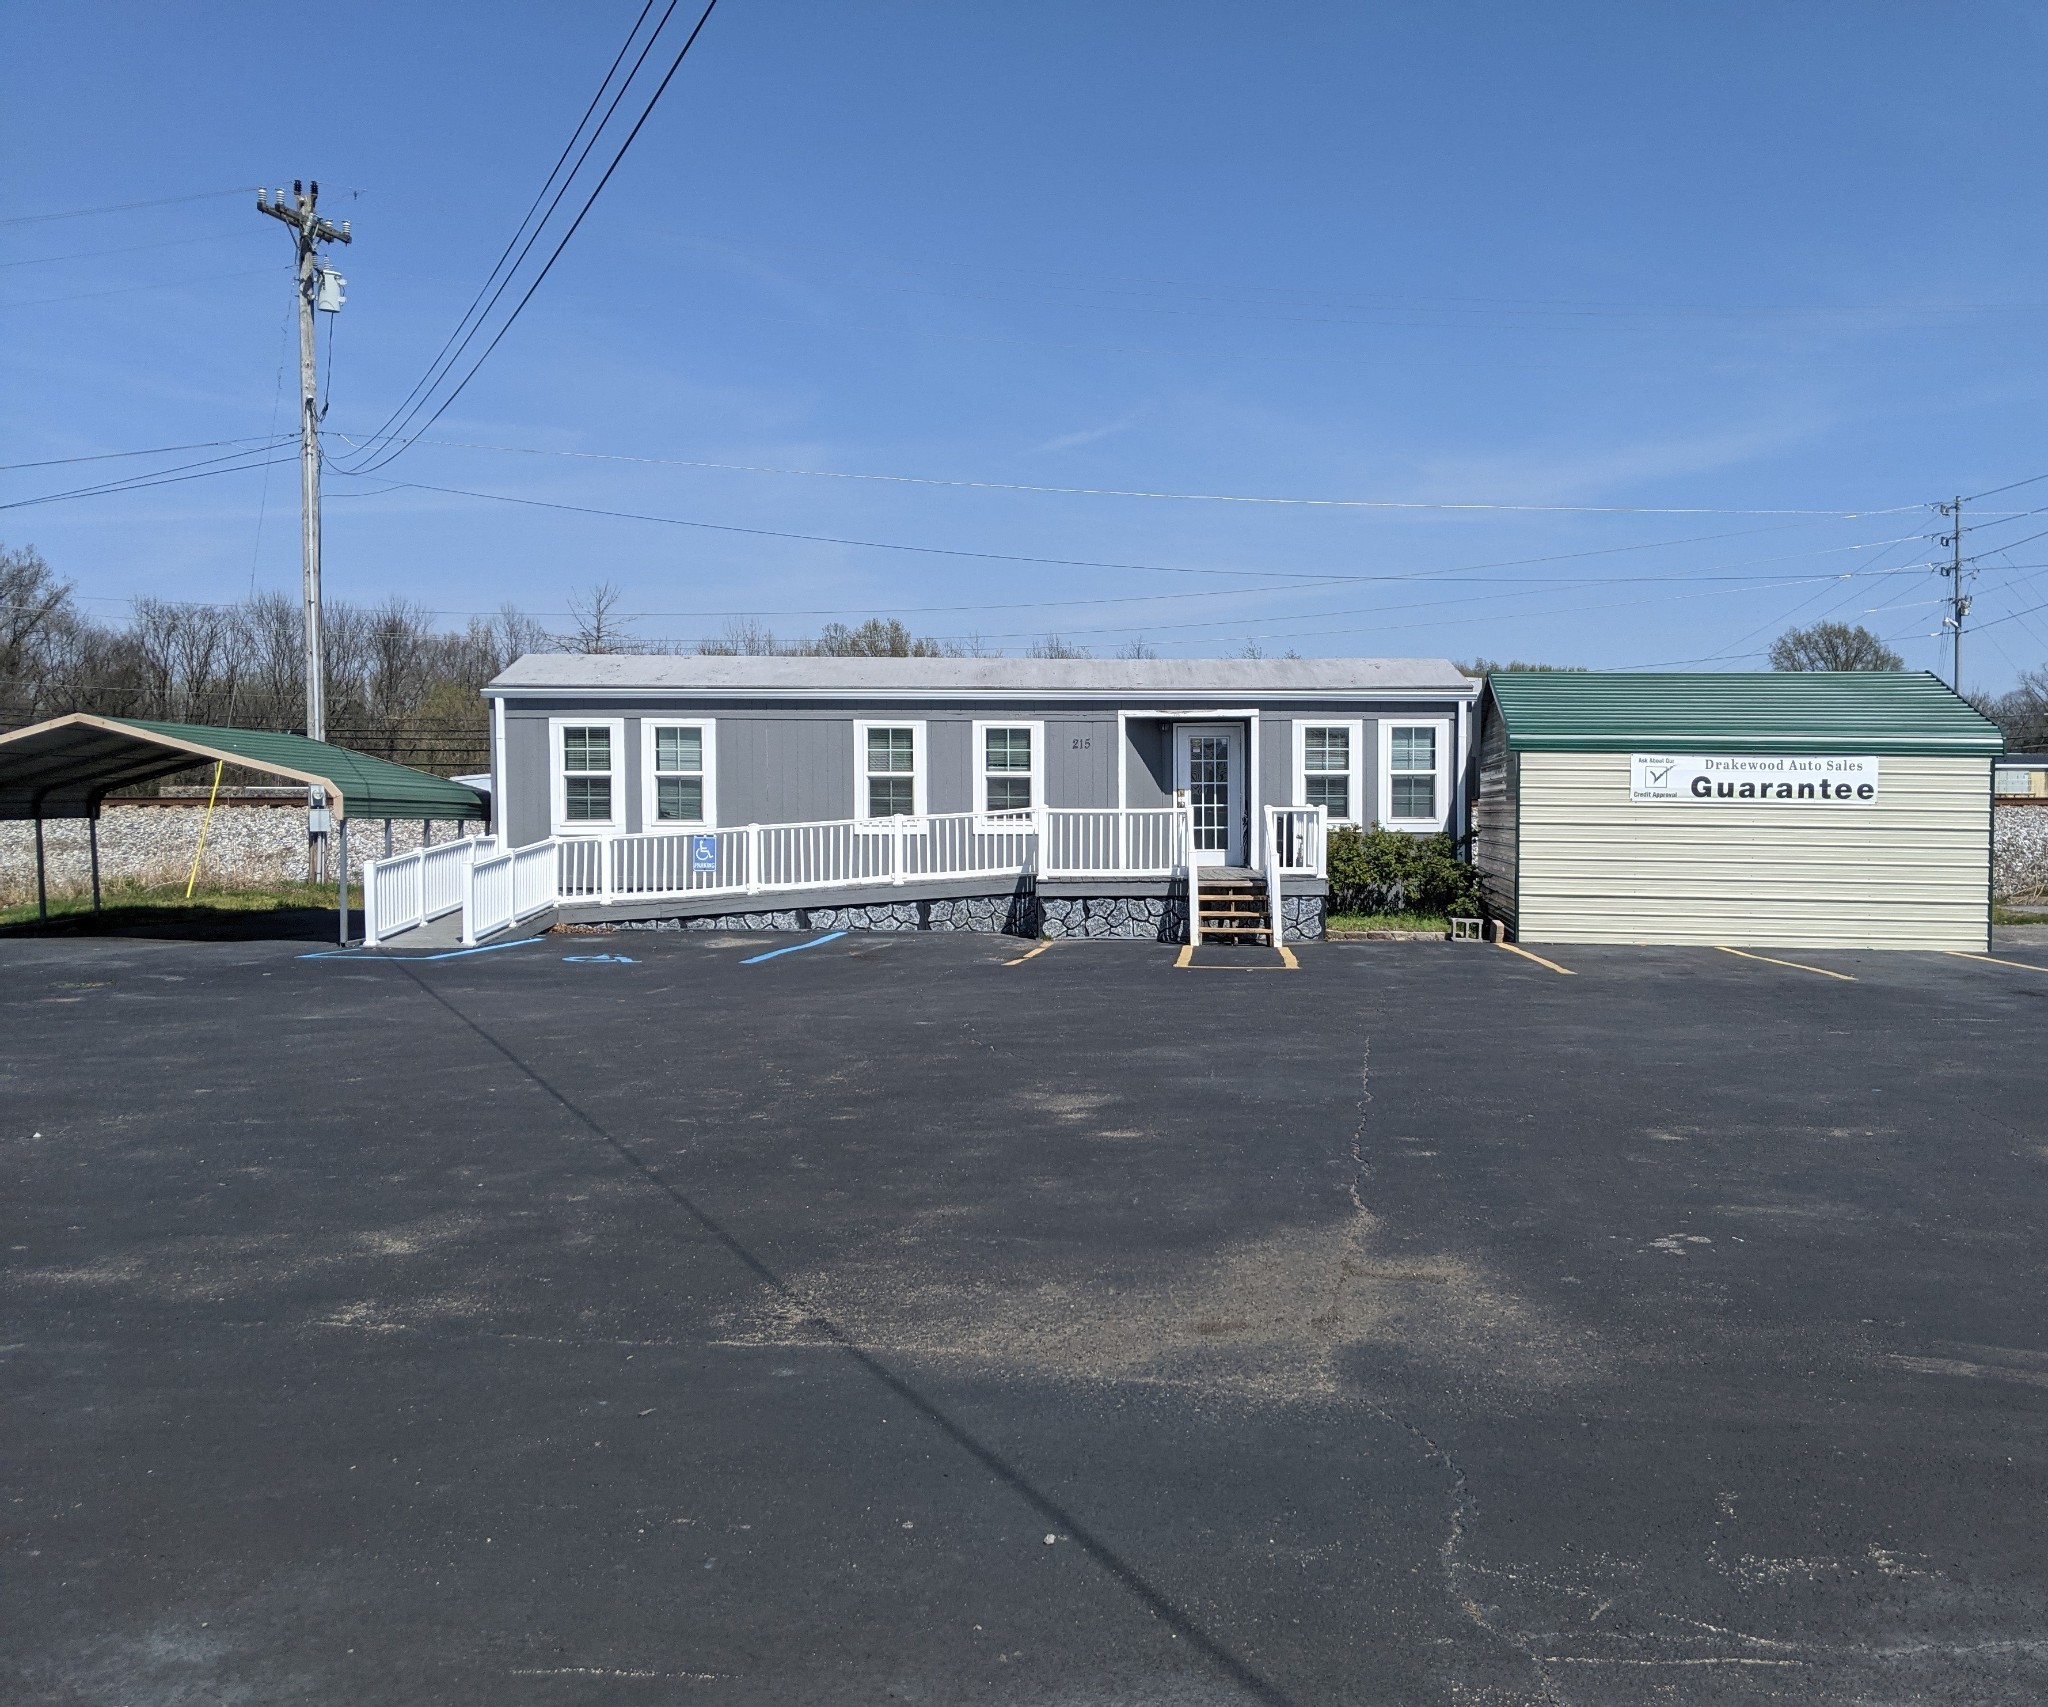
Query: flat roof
1839	711
1134	678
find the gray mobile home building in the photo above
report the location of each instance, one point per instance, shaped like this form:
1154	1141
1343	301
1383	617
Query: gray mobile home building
860	750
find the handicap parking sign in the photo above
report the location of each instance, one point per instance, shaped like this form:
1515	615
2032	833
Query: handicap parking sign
704	853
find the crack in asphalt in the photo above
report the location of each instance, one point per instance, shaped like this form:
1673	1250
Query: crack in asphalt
1461	1498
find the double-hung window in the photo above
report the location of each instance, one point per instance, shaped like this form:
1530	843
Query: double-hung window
888	770
678	763
1009	767
1329	760
1415	763
588	774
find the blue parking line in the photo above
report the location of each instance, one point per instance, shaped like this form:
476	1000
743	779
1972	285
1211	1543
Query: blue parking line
794	948
449	954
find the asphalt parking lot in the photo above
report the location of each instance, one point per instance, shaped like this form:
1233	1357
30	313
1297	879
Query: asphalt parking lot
638	1319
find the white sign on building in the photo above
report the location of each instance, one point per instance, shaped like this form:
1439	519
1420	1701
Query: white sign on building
1798	779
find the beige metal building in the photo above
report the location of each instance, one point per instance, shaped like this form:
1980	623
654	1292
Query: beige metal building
1824	810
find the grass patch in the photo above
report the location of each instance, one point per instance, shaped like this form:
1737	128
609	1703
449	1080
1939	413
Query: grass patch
141	903
1388	922
2027	910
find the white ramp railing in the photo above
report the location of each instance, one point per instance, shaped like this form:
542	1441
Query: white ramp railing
496	887
411	889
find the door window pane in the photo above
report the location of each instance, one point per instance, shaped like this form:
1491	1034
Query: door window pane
1209	790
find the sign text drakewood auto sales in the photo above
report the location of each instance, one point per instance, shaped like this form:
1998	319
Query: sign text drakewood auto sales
1795	779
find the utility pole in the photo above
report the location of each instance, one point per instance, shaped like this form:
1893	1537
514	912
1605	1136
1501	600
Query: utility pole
309	231
1958	604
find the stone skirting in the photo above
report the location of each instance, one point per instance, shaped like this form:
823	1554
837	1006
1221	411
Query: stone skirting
1140	918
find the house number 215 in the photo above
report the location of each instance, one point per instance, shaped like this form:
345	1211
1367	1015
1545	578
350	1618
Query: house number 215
1082	743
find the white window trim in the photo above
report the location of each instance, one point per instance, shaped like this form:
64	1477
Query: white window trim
1442	726
918	799
558	802
1356	727
650	792
979	773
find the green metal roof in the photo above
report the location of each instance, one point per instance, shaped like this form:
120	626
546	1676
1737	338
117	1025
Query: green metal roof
63	768
1836	711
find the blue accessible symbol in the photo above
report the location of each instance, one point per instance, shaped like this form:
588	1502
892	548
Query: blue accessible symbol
704	854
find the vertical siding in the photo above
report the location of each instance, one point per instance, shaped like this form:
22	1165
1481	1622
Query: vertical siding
794	763
1083	775
526	809
1276	762
1493	820
1907	871
1148	763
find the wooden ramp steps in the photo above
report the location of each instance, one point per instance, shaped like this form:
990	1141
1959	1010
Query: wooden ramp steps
1232	906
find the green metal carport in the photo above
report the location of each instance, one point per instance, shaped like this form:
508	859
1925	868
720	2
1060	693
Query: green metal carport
64	768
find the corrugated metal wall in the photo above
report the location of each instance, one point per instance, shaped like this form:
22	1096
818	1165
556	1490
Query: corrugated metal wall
1910	870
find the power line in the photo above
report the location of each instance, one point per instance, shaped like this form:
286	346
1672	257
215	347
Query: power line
1182	497
123	207
2011	486
124	249
113	455
162	477
1056	562
548	266
129	290
448	350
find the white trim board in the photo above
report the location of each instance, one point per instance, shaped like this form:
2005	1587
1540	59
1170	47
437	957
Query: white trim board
649	791
559	824
920	801
977	761
1355	773
1442	726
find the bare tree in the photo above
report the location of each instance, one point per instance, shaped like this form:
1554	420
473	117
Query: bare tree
743	637
878	637
1137	648
2022	714
600	625
1832	646
1052	646
38	633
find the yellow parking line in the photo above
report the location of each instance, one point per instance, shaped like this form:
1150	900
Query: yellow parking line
1796	965
1030	954
1993	960
1561	971
1185	962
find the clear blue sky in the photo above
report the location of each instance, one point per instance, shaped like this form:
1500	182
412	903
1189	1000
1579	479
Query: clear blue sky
1715	257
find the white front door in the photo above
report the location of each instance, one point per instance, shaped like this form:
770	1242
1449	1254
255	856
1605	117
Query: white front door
1208	761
